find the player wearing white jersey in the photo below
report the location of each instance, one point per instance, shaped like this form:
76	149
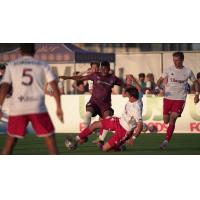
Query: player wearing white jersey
129	125
175	80
28	77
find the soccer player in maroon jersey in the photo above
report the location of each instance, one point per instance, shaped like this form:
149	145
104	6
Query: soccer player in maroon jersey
100	101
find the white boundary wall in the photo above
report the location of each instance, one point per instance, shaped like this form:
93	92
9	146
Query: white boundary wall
74	109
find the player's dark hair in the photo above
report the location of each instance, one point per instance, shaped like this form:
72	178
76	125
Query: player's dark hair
95	63
179	54
105	64
141	75
133	92
27	49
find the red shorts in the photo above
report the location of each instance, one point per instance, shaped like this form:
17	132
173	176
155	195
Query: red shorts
170	106
112	124
41	123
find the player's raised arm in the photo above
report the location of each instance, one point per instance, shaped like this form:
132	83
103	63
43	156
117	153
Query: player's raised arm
56	95
76	78
135	82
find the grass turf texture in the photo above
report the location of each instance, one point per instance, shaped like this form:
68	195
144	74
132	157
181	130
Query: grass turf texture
146	144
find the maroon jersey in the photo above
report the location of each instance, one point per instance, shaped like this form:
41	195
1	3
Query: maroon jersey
102	86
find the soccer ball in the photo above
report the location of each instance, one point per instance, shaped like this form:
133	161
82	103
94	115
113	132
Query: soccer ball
69	144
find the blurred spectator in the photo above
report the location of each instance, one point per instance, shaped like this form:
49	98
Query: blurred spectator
2	70
192	89
80	89
74	85
150	84
131	82
142	83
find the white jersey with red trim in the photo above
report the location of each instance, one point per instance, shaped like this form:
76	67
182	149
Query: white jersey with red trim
131	115
28	77
176	82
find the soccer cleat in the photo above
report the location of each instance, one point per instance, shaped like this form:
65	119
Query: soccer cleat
100	144
164	145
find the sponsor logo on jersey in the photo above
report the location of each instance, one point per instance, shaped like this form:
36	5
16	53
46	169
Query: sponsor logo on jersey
27	99
104	83
177	81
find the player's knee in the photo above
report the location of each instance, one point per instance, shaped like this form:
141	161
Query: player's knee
173	117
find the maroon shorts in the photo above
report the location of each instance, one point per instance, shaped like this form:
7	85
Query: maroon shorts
98	108
112	124
41	123
170	106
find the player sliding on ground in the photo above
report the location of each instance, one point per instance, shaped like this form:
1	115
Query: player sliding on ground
100	101
127	127
175	80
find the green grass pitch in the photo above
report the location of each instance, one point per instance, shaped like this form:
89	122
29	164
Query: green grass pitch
146	144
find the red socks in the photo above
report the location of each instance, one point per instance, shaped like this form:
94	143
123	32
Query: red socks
170	131
85	133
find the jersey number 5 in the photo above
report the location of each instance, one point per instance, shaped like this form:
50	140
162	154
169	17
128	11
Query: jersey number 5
29	78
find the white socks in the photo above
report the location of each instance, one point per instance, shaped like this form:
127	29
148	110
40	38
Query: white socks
87	119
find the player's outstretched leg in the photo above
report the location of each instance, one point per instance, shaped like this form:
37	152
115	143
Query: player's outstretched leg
9	145
83	136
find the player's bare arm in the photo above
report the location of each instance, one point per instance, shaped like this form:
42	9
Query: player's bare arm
135	133
138	129
197	89
4	89
56	95
75	78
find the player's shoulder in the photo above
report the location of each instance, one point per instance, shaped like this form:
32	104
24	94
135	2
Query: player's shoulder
139	103
187	69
